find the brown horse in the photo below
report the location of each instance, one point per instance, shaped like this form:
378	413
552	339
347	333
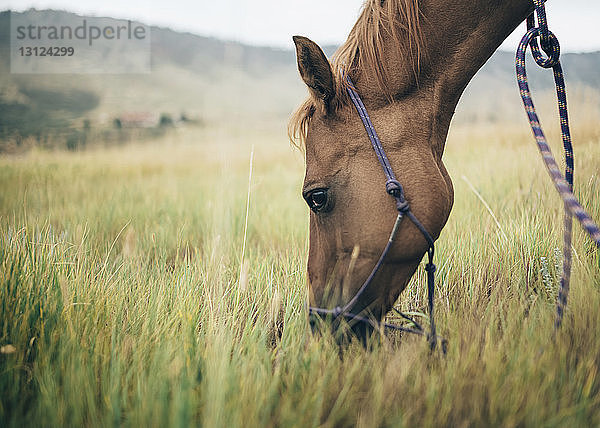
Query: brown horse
410	60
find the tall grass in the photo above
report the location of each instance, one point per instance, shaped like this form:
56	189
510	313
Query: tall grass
121	302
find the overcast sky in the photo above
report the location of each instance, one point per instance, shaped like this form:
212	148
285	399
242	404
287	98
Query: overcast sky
273	22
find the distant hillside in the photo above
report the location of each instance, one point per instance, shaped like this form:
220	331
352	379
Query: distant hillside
195	75
228	82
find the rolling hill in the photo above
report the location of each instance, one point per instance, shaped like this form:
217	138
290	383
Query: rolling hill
226	82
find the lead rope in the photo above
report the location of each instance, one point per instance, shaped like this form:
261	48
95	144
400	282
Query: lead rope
564	184
394	189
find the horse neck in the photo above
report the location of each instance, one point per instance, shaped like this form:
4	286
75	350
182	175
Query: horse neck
458	38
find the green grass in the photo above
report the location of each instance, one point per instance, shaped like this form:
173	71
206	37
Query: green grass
120	294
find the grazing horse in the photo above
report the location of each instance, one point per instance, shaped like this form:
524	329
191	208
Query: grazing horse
410	61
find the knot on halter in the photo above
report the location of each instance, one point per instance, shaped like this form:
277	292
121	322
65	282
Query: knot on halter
430	267
394	188
402	205
337	311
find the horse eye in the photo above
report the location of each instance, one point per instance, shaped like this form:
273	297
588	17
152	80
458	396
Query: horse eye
317	200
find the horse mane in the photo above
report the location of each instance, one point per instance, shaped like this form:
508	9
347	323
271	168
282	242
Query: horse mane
398	19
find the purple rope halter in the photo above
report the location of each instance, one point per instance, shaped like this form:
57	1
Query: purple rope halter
564	184
394	189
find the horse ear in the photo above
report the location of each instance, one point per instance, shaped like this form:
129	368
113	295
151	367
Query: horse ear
314	69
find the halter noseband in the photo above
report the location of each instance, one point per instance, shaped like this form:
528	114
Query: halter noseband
395	190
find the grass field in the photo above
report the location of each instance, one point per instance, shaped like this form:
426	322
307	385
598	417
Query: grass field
124	299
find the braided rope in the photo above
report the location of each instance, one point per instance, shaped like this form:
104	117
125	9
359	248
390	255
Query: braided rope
563	184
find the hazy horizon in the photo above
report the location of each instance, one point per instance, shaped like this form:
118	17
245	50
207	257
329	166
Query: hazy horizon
249	23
